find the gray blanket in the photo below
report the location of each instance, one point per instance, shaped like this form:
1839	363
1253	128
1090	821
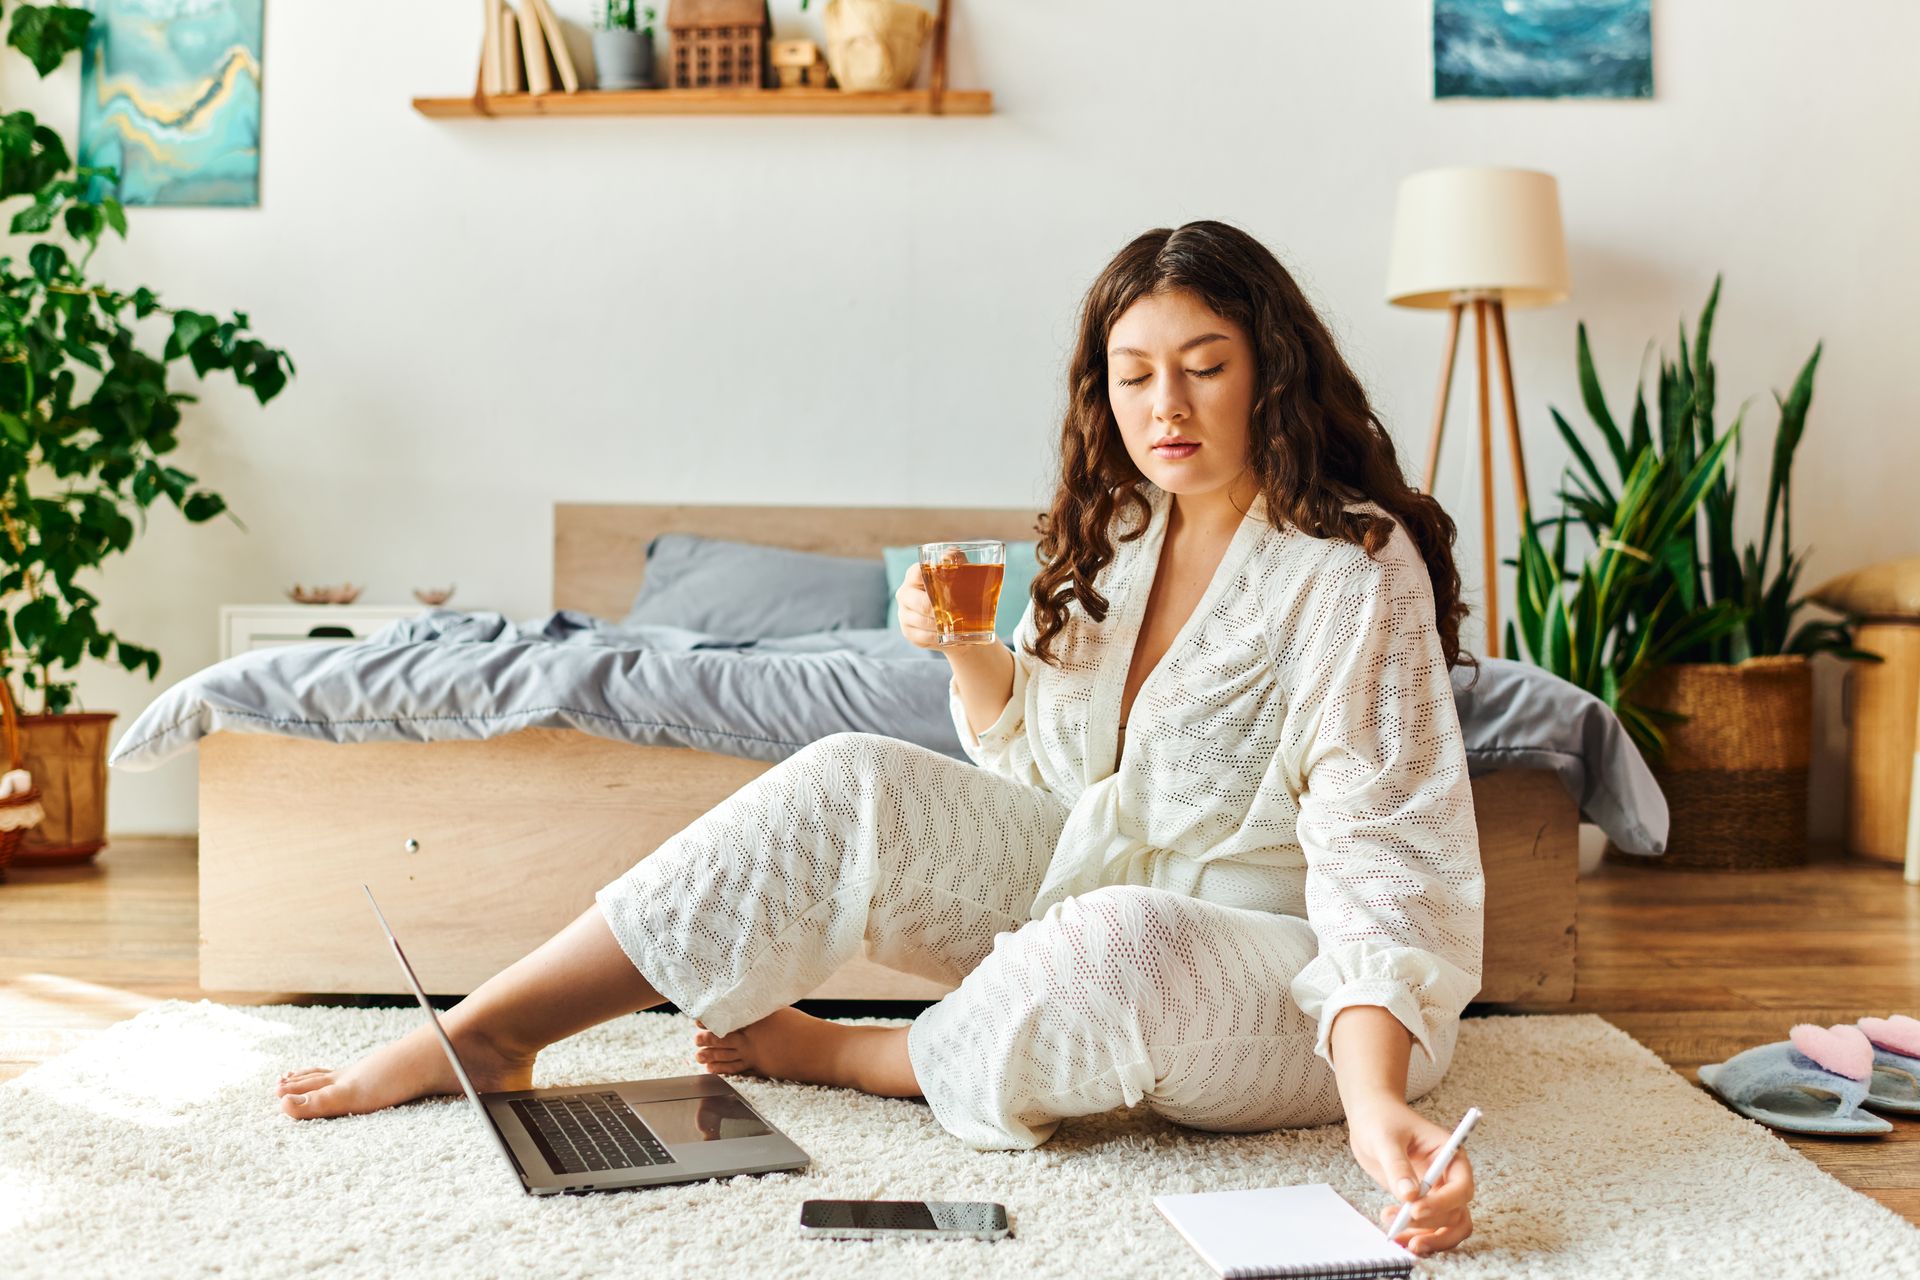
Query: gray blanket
448	675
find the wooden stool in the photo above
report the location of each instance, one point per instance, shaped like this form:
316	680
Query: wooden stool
1882	711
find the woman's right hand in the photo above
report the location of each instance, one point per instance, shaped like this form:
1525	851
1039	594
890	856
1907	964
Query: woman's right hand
916	611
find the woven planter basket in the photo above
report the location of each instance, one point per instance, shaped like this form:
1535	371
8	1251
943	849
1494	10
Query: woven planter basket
1735	775
67	754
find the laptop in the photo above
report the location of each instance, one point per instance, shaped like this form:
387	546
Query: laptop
609	1137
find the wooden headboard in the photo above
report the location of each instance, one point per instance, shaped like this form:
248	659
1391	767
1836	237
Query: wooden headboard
600	550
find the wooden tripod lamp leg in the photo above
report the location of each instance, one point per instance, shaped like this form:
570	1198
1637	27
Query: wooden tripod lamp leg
1523	506
1440	401
1489	547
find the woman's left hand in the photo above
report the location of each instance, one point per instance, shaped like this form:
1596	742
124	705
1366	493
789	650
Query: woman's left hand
1394	1143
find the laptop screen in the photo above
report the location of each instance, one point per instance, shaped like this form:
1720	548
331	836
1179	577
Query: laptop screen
433	1018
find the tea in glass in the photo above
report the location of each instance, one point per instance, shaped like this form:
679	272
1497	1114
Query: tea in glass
963	581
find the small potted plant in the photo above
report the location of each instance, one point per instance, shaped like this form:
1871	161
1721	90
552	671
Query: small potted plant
623	46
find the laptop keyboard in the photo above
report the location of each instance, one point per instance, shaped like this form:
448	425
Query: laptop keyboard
589	1132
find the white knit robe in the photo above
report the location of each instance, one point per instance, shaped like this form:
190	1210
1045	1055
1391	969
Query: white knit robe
1290	832
1301	721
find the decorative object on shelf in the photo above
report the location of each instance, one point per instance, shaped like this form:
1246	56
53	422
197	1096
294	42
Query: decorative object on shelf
169	97
719	43
433	597
623	46
20	806
88	423
874	45
1542	49
799	64
1695	653
1882	710
1488	237
345	593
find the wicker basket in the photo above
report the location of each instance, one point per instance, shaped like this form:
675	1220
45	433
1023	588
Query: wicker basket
1735	775
20	811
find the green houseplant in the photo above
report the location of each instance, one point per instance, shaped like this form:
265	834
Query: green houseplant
87	420
1694	650
623	46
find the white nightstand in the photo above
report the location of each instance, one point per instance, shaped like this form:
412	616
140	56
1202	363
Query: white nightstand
245	627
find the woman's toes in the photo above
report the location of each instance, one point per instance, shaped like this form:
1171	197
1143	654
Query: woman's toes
326	1100
302	1082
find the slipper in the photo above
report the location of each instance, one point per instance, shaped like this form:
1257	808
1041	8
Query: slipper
1896	1064
1813	1082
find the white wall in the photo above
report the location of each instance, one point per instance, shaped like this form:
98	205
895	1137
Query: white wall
490	316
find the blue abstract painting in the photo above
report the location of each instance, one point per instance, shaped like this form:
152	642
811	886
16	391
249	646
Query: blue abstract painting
1542	49
170	98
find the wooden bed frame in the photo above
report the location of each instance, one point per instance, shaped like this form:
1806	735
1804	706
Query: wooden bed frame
480	851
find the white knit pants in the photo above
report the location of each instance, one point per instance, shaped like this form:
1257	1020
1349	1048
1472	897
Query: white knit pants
1116	997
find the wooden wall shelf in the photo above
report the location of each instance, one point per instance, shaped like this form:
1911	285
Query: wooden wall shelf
934	100
727	102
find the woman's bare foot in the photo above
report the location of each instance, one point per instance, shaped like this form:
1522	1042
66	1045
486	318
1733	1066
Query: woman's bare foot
791	1045
413	1066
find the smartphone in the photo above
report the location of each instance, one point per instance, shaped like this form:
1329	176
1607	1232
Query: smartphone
903	1220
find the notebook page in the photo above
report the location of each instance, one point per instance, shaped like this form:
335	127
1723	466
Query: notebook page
1268	1228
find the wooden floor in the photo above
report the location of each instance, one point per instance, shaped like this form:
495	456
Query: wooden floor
1695	965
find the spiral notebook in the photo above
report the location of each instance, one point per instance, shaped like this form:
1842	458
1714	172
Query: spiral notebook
1306	1230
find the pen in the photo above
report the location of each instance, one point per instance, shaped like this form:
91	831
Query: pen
1441	1158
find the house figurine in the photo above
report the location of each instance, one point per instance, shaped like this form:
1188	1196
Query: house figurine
800	65
719	44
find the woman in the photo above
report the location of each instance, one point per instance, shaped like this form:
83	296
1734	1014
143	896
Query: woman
1216	849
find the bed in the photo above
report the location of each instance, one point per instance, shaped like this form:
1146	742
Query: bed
481	849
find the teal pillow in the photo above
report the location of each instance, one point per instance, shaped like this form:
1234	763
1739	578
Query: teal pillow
1023	562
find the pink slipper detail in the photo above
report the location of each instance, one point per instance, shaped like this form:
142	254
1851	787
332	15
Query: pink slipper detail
1898	1033
1842	1048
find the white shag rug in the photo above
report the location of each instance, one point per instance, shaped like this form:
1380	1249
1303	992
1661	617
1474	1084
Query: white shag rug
155	1149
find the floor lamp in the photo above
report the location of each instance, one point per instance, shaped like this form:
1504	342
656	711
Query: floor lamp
1489	239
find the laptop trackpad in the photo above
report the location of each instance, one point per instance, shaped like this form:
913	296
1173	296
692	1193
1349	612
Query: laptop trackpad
679	1121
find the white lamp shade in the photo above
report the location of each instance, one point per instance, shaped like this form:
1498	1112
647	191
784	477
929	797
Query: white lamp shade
1477	229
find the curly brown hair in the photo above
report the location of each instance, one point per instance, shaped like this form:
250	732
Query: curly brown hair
1314	443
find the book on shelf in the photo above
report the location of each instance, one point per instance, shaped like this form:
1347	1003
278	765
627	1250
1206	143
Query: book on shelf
512	79
490	47
533	41
556	40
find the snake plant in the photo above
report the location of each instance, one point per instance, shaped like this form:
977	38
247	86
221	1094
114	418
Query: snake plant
1645	597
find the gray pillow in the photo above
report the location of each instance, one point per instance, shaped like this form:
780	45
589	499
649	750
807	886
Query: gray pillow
747	592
